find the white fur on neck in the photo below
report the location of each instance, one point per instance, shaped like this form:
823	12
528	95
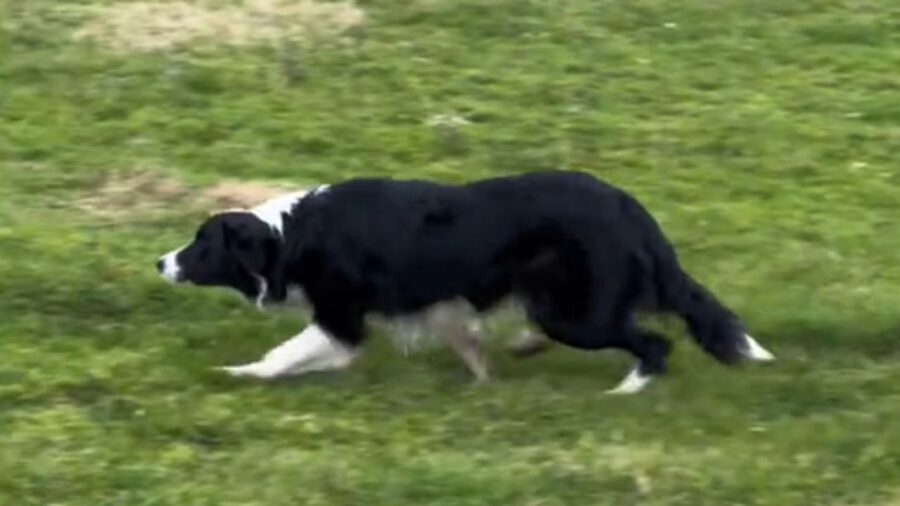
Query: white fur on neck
263	287
273	211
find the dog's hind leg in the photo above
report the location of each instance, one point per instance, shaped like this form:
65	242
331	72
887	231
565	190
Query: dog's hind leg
649	348
651	351
466	344
460	327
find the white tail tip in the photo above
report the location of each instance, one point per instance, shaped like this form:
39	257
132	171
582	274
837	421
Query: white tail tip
754	351
633	383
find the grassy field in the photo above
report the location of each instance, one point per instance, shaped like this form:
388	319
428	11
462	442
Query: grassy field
763	135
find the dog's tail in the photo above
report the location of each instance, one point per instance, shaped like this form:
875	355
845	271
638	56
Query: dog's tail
712	325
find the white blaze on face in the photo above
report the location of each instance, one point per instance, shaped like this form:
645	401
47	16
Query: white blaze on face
168	266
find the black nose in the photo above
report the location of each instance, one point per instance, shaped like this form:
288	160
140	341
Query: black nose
160	265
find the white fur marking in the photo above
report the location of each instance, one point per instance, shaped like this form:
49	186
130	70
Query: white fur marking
311	350
296	298
263	291
754	351
171	270
273	211
633	383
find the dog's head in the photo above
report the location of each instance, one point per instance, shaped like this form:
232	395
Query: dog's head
233	249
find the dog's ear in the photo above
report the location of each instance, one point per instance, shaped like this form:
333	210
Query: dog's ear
251	245
258	251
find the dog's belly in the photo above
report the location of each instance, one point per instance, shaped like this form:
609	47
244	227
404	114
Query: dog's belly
442	320
428	327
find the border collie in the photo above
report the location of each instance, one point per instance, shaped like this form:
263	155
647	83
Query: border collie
580	257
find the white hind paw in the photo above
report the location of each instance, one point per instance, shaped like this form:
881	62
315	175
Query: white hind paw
633	383
754	351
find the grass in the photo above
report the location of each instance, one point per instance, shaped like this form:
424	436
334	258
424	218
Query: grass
763	135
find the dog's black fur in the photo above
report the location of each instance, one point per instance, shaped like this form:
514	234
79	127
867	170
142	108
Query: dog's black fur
581	255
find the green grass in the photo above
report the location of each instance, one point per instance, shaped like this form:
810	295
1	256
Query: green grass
763	135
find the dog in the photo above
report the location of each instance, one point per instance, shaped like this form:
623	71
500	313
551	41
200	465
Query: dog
581	257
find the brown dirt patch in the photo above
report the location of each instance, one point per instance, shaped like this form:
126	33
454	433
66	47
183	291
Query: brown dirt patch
143	193
240	194
153	26
133	193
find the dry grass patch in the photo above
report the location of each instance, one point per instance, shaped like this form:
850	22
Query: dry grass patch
154	26
135	193
240	194
127	196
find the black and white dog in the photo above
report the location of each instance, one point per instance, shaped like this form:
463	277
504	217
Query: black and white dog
580	256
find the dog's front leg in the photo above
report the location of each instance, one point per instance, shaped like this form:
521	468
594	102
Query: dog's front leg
314	349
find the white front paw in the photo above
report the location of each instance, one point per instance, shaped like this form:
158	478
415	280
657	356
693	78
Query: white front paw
255	370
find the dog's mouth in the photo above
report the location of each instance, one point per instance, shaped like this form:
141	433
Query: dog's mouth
175	280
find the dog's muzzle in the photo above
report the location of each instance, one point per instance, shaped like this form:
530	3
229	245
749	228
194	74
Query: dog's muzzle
168	268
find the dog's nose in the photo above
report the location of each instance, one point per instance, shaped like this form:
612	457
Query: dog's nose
160	265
